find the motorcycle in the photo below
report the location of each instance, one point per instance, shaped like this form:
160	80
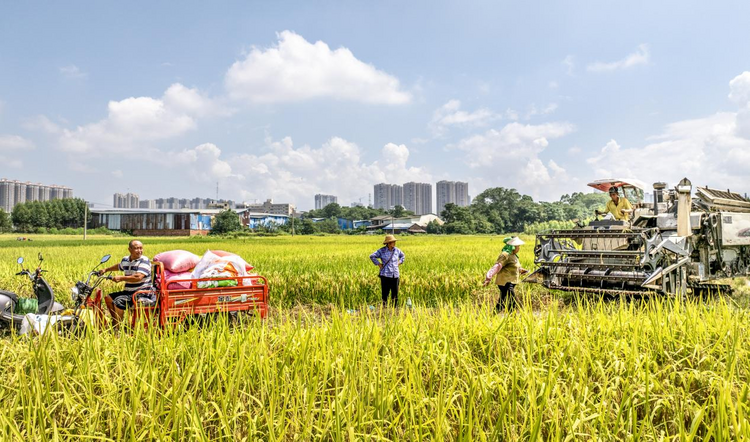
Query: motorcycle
14	308
87	297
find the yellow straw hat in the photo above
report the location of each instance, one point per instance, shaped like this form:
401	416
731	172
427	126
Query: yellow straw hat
389	238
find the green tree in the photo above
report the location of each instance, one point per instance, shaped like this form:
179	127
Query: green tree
332	210
306	227
434	227
328	226
360	212
399	211
39	216
21	216
458	219
225	222
6	224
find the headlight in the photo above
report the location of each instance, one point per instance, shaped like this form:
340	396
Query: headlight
74	292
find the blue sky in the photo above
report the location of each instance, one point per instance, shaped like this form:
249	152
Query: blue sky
284	100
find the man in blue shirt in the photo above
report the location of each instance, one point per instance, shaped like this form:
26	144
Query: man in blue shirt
391	257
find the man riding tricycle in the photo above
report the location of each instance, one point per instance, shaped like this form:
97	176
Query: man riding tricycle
176	286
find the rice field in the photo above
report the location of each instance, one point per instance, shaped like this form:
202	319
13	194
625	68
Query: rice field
449	369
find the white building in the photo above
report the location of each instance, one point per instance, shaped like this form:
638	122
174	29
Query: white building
324	200
418	197
456	192
387	196
13	192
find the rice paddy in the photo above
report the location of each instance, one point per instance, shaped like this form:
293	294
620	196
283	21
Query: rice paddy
325	365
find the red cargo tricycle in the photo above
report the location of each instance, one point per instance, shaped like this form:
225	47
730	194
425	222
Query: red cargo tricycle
179	299
170	302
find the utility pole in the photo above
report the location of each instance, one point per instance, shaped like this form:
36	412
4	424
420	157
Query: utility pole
85	216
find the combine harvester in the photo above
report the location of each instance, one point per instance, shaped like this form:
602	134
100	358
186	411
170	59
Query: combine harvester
675	245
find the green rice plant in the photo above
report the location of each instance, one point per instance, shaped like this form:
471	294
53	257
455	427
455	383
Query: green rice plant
663	371
450	368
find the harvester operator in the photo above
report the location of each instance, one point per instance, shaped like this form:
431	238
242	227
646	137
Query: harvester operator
618	206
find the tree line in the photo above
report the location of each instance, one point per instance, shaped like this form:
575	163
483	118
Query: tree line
496	210
33	216
500	210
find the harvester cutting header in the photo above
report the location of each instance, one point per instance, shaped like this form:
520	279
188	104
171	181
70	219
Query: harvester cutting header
676	244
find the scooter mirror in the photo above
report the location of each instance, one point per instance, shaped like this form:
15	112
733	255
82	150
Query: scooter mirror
20	260
105	258
41	258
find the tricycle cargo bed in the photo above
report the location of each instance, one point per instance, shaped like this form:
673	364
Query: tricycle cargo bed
176	302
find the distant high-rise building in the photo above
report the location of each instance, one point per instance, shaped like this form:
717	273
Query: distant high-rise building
418	197
32	191
387	196
462	194
118	201
456	192
44	193
19	193
324	200
7	195
132	200
13	192
127	201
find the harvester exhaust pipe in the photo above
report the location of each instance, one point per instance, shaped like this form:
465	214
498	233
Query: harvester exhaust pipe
684	205
658	195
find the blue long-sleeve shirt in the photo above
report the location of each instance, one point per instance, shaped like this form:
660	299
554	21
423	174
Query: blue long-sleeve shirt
390	260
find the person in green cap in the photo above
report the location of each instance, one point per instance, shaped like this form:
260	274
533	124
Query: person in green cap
506	272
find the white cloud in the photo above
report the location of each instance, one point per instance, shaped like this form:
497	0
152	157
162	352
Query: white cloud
546	110
553	84
14	143
708	151
288	173
182	99
13	163
569	65
509	157
640	56
72	72
296	70
511	114
139	121
450	114
43	124
206	165
739	89
575	150
117	173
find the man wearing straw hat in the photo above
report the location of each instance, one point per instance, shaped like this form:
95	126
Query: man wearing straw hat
506	271
391	257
